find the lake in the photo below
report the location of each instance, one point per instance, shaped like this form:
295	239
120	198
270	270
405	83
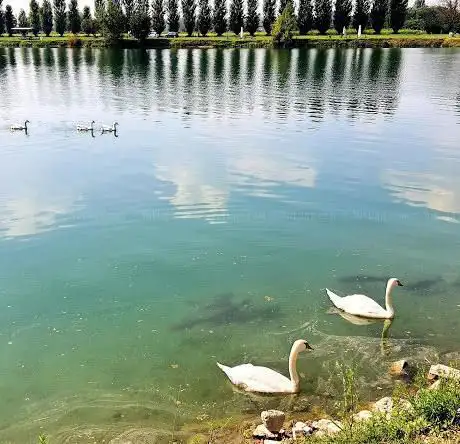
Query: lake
239	185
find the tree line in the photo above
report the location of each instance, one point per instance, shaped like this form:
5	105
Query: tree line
112	18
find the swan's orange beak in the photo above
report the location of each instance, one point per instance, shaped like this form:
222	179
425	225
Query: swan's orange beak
399	284
308	346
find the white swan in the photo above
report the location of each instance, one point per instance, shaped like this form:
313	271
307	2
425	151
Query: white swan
360	305
20	127
86	128
264	380
110	129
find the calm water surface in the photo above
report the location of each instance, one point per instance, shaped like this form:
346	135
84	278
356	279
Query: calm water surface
240	184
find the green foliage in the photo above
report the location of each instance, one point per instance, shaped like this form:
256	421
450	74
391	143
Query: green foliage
236	17
9	19
189	15
323	9
87	21
285	25
269	15
252	17
361	14
74	17
398	11
114	22
219	19
34	17
173	15
59	17
432	19
282	5
305	17
23	22
42	439
419	4
439	406
342	14
378	14
2	19
349	392
46	17
140	21
99	15
129	6
204	21
158	16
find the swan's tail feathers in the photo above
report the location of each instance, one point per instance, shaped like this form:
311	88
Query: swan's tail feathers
224	368
336	300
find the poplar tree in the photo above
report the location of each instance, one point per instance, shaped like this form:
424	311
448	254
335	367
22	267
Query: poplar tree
99	14
140	20
22	19
46	17
204	21
269	15
2	19
173	15
378	13
34	17
87	21
59	17
282	5
9	20
323	9
129	6
361	14
158	16
219	19
189	15
114	22
398	11
236	17
342	14
74	17
252	17
305	17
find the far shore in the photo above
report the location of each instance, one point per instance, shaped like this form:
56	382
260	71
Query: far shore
384	40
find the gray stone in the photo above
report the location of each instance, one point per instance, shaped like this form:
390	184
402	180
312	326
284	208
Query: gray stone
301	429
363	415
273	420
384	405
399	368
261	432
327	427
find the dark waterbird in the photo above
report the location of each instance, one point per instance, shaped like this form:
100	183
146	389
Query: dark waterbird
223	310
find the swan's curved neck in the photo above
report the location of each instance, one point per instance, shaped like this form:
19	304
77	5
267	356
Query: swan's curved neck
389	299
293	368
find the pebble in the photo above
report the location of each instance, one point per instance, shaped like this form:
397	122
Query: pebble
384	405
327	427
261	432
363	415
273	420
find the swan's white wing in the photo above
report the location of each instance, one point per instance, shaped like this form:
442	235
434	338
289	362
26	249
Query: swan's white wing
361	305
258	379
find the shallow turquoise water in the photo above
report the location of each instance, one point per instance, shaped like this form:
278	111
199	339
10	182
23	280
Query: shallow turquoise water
241	184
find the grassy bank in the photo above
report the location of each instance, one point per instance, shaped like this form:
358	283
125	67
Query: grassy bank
418	413
385	40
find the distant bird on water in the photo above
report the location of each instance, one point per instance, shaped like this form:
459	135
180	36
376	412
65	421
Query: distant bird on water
20	127
86	128
109	129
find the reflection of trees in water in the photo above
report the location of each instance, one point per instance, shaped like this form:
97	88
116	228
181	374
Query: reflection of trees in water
277	83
